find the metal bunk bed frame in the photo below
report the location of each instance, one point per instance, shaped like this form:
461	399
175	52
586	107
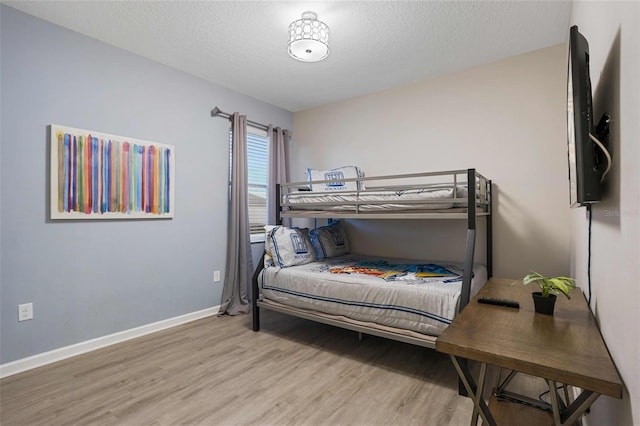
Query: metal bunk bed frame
471	215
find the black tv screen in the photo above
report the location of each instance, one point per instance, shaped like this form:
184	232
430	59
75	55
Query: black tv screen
584	176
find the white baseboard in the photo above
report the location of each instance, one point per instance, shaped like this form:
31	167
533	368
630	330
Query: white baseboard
24	364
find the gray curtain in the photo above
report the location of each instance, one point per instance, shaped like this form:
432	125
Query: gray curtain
278	166
239	266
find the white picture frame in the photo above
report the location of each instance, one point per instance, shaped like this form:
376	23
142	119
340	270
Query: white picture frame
102	176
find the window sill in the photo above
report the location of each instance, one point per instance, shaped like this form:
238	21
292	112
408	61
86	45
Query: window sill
257	238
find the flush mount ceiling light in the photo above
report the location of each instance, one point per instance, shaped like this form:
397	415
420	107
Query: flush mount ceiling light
308	38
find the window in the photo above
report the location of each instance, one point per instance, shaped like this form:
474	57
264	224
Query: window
257	167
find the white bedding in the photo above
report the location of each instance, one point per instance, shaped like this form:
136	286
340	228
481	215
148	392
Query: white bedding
401	300
375	200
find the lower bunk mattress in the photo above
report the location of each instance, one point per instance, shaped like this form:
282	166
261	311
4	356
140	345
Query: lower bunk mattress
404	294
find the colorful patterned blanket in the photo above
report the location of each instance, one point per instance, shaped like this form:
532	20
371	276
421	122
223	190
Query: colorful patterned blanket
399	271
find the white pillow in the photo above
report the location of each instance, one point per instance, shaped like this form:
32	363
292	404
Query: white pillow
337	175
268	250
329	241
287	246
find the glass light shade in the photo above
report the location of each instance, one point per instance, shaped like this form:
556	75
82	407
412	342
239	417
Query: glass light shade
308	38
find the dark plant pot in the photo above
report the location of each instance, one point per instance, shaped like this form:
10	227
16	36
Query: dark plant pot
544	305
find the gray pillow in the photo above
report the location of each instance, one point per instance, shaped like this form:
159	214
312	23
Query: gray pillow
329	241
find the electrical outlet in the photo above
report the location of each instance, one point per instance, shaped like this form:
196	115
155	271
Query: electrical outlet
25	311
216	276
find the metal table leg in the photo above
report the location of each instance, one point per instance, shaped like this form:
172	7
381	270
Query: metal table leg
475	392
502	386
478	396
554	402
567	416
564	414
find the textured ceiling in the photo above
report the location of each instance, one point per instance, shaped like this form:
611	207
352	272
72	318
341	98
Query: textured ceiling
374	45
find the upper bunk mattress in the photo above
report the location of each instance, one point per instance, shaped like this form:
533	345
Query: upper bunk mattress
375	200
397	293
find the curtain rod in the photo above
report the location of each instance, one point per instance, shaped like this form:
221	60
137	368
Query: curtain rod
217	112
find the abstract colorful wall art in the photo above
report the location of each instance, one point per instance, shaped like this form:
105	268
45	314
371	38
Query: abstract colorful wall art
100	176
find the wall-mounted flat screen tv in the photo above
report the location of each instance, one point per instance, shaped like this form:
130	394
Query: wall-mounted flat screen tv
584	176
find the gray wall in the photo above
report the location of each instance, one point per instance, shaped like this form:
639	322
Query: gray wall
93	278
613	32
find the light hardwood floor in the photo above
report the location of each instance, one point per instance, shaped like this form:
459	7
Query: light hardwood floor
216	371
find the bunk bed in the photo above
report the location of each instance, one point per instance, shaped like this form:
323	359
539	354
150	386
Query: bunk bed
463	195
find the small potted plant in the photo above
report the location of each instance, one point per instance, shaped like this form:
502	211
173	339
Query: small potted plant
544	301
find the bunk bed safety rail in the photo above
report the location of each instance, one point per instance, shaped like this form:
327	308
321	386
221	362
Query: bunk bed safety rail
298	196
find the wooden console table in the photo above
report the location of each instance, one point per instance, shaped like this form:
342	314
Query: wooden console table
564	348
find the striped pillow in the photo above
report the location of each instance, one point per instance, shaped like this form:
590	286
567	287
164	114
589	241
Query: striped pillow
336	176
286	247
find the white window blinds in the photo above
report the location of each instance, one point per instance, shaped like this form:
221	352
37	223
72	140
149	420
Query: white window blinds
257	169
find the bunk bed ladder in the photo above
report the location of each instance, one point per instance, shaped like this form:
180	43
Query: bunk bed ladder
471	239
468	255
471	234
471	244
489	236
